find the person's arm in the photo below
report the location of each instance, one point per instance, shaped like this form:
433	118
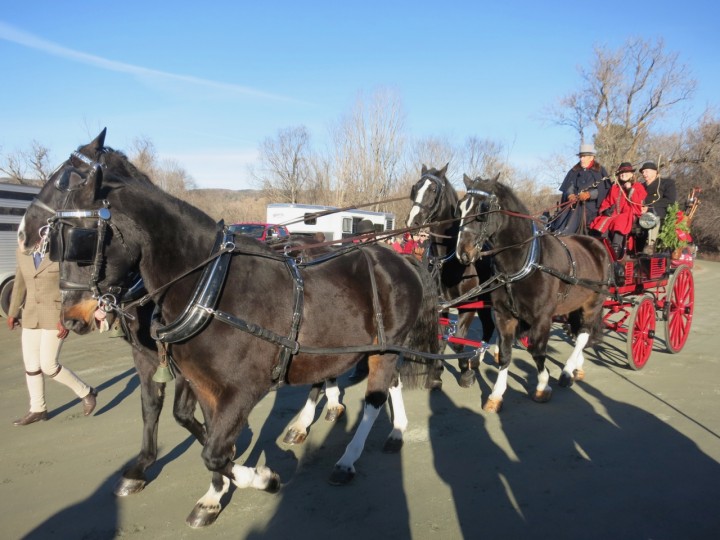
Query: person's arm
17	299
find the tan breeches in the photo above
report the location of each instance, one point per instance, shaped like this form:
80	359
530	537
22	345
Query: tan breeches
41	349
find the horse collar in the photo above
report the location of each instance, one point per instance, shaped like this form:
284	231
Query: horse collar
199	310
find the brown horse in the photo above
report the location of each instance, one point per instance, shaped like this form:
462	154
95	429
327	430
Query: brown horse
238	318
435	204
538	276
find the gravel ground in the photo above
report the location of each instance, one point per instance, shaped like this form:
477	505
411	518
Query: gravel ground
623	454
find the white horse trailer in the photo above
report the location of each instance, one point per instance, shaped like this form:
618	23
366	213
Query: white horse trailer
336	225
14	199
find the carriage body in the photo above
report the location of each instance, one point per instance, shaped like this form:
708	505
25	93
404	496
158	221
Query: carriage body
651	289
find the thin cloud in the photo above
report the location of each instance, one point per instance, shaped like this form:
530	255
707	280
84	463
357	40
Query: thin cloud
9	33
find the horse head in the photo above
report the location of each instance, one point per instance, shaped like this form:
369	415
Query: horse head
427	195
480	218
72	221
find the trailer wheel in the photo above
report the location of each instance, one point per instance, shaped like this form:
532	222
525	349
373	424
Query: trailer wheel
641	333
5	293
679	306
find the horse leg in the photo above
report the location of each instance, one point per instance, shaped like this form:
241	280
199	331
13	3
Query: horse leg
506	335
467	375
394	442
573	370
335	409
538	349
184	409
217	454
208	507
297	431
380	379
152	396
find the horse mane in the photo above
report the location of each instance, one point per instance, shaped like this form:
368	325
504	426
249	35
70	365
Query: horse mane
121	173
507	197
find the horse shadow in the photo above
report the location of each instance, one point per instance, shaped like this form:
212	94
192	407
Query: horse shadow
350	511
97	516
584	465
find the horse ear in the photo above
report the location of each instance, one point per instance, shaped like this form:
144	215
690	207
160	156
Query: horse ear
467	180
423	170
497	177
94	148
444	169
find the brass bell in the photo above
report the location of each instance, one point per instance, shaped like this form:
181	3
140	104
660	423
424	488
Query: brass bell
163	374
116	330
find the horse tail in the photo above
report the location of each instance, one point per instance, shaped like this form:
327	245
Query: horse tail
423	336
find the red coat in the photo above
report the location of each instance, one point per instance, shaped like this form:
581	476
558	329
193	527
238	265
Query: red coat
622	212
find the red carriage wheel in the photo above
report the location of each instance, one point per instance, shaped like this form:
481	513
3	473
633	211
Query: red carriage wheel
679	305
641	333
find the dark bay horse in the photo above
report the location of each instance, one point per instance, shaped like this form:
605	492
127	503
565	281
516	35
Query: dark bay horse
539	276
435	204
257	320
145	358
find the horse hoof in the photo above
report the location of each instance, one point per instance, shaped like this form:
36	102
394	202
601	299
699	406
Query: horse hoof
566	380
467	379
493	405
542	396
202	516
393	446
579	374
333	415
341	476
128	486
293	436
273	483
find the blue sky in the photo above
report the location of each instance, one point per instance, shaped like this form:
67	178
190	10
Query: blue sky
207	82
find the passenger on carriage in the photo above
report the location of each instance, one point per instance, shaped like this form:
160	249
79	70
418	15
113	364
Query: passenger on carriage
661	193
620	208
584	188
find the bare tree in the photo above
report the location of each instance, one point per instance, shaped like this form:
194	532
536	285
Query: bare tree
368	146
285	164
166	174
36	161
623	95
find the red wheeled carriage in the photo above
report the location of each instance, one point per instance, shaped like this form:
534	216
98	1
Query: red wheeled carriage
651	288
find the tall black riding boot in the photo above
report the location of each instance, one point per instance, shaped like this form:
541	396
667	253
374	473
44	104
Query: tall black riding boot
617	245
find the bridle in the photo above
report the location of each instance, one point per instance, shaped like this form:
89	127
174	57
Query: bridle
488	205
63	241
431	210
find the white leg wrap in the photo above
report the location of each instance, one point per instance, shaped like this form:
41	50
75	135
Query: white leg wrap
305	418
500	385
543	378
576	357
355	448
211	499
400	420
258	478
332	392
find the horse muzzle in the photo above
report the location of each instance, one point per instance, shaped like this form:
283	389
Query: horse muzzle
80	317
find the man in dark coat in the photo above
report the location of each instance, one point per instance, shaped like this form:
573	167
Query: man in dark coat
584	188
661	193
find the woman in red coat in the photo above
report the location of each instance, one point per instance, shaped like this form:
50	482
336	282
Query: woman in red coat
620	208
